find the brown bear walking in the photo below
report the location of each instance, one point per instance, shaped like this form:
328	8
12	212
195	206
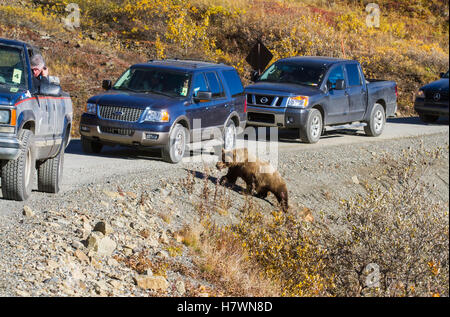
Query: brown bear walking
258	175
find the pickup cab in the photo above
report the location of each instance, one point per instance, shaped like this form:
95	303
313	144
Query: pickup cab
166	104
35	124
310	93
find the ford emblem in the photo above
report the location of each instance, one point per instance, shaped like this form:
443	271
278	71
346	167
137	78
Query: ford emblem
118	113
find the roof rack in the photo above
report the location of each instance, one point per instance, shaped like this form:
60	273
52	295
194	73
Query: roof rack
183	60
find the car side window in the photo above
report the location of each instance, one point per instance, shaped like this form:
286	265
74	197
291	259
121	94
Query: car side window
354	77
336	74
199	84
234	82
214	84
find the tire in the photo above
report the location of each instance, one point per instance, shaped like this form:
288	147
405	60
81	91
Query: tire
428	118
50	173
229	136
174	151
18	175
91	147
314	127
377	121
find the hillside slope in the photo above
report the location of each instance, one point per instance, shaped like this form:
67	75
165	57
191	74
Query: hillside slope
410	46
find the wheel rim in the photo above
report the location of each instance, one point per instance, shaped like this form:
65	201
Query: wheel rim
316	127
230	134
179	145
27	168
378	121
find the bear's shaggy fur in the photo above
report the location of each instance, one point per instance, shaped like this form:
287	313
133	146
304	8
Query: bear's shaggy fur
258	175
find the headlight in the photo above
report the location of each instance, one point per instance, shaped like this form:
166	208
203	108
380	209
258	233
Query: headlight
420	94
157	116
91	108
5	116
299	101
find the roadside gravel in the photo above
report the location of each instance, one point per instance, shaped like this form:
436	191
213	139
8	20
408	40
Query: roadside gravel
52	246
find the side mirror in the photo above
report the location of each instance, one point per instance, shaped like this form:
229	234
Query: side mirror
54	80
203	96
48	89
340	84
441	75
254	75
107	84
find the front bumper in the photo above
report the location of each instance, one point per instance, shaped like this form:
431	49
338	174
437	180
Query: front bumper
138	138
9	148
289	118
431	108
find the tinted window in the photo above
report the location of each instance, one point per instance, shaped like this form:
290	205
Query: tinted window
354	79
199	84
336	74
12	71
214	85
295	73
156	81
234	82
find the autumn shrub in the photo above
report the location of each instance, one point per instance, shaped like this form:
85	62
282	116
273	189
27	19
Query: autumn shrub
395	241
284	248
390	241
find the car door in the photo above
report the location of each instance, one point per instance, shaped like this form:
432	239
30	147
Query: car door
357	94
338	104
198	113
221	106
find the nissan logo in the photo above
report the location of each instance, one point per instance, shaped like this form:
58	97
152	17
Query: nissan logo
264	100
437	96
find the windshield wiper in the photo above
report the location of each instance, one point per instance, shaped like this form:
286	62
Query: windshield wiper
125	88
158	93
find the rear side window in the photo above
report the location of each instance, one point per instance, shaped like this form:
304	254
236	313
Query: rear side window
354	78
336	74
199	84
234	82
214	84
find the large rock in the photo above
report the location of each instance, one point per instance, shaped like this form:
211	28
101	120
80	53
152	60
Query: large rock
100	244
156	283
103	227
28	212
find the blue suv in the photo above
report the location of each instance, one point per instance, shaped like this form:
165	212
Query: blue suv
166	104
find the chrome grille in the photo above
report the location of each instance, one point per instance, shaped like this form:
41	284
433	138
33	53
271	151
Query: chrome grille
120	113
119	131
262	100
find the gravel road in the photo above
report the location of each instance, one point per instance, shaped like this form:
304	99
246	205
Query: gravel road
44	241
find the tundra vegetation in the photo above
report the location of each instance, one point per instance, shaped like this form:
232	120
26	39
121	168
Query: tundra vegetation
410	46
391	240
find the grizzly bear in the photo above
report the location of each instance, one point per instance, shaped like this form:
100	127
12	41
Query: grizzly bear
258	175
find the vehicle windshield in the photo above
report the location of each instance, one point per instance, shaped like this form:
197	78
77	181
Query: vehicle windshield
12	69
294	73
158	81
445	75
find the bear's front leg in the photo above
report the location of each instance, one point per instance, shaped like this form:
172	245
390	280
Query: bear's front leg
231	177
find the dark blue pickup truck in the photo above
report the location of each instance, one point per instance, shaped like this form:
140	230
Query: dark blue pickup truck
35	124
309	93
166	104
